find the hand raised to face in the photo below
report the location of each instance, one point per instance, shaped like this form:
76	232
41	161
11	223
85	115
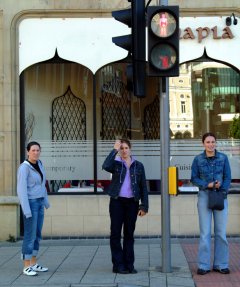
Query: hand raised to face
117	145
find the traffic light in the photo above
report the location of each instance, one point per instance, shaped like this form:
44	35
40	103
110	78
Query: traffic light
134	43
163	41
124	16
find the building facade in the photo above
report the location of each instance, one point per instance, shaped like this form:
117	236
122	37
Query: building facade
63	83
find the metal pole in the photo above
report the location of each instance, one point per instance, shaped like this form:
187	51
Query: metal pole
94	133
165	155
165	198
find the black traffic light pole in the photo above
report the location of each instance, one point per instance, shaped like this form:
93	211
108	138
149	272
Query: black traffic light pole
165	154
134	43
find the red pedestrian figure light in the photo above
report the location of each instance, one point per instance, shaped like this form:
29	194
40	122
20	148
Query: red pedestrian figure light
163	22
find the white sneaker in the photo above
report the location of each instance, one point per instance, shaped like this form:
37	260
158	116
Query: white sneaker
29	272
39	268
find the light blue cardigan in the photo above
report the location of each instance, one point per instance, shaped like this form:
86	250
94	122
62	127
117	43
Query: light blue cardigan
31	186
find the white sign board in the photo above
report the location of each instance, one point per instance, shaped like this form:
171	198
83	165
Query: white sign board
88	41
220	42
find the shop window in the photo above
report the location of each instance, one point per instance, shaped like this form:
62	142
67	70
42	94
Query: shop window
66	135
59	119
213	94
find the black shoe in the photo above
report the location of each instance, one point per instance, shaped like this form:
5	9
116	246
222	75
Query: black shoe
222	271
120	270
202	271
132	271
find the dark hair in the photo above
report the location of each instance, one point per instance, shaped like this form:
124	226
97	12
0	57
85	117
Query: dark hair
126	141
209	134
31	144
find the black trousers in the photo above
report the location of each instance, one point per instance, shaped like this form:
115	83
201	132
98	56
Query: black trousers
123	214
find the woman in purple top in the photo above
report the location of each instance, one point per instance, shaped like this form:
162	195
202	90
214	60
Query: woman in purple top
127	187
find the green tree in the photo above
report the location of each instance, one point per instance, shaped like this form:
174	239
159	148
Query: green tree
234	130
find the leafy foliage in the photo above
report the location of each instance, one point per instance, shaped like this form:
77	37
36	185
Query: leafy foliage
234	130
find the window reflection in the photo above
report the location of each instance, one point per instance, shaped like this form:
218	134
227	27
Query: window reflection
219	86
212	99
205	97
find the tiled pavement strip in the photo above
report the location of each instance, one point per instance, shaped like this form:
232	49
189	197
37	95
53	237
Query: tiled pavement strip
87	263
214	279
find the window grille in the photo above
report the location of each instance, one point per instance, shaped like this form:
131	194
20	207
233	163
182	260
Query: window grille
68	117
68	122
152	120
116	105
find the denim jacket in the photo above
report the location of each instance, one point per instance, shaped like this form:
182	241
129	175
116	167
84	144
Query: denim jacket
206	170
137	176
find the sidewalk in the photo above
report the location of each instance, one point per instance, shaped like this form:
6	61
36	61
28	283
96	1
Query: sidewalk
87	263
214	279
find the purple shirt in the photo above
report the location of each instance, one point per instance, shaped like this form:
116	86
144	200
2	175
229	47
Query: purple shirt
126	190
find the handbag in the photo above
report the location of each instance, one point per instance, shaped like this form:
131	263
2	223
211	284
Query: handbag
215	199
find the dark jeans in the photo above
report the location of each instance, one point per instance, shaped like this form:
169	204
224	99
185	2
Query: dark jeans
123	213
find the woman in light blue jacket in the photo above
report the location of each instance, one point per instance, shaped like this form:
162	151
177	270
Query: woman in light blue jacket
33	198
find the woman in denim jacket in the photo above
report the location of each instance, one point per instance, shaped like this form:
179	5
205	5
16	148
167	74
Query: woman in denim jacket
127	187
211	169
33	198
